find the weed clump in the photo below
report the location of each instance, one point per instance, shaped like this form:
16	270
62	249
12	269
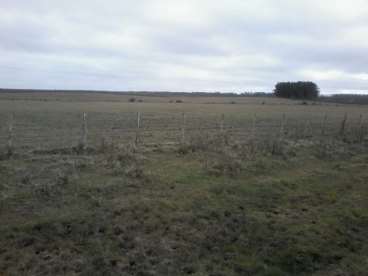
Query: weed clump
225	164
6	154
331	150
125	161
105	146
204	142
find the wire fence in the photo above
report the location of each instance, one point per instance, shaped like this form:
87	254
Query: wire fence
54	130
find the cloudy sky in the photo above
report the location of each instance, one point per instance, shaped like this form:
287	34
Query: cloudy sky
183	45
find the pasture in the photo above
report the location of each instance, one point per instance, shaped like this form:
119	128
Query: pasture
200	186
50	120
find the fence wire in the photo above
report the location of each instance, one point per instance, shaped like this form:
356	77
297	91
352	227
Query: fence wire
63	130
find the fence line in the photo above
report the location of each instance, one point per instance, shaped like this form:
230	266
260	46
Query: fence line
95	128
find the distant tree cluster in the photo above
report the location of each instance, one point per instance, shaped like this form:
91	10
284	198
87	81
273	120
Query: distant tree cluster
297	90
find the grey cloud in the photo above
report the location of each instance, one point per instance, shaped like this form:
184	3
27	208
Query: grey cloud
182	45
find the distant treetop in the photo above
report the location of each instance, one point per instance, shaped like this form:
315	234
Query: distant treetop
297	90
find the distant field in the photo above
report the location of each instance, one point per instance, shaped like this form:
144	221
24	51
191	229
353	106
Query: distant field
235	186
125	97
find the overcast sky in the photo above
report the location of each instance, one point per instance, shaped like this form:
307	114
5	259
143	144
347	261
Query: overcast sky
183	45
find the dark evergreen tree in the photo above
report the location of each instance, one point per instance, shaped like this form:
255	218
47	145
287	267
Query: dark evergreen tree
297	90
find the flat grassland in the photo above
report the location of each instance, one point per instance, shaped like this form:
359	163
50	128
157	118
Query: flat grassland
55	119
240	186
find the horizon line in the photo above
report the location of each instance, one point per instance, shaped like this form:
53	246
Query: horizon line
30	90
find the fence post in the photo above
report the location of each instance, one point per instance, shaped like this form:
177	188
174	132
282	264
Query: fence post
343	125
183	128
323	128
138	128
254	122
222	123
282	126
276	146
308	131
10	135
83	143
252	142
360	130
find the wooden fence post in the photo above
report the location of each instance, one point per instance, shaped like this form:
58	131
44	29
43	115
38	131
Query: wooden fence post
277	142
137	134
183	128
254	122
83	143
323	128
282	126
308	131
360	130
10	135
222	123
343	125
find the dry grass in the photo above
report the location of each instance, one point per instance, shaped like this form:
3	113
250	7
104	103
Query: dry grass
274	202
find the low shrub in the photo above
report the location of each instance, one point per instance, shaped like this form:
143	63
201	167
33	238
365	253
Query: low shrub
226	164
205	141
125	161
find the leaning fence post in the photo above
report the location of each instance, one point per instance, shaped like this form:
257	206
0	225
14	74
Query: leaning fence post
10	135
138	128
343	125
183	128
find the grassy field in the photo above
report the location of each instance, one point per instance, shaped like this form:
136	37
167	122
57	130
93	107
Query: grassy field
274	201
54	119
